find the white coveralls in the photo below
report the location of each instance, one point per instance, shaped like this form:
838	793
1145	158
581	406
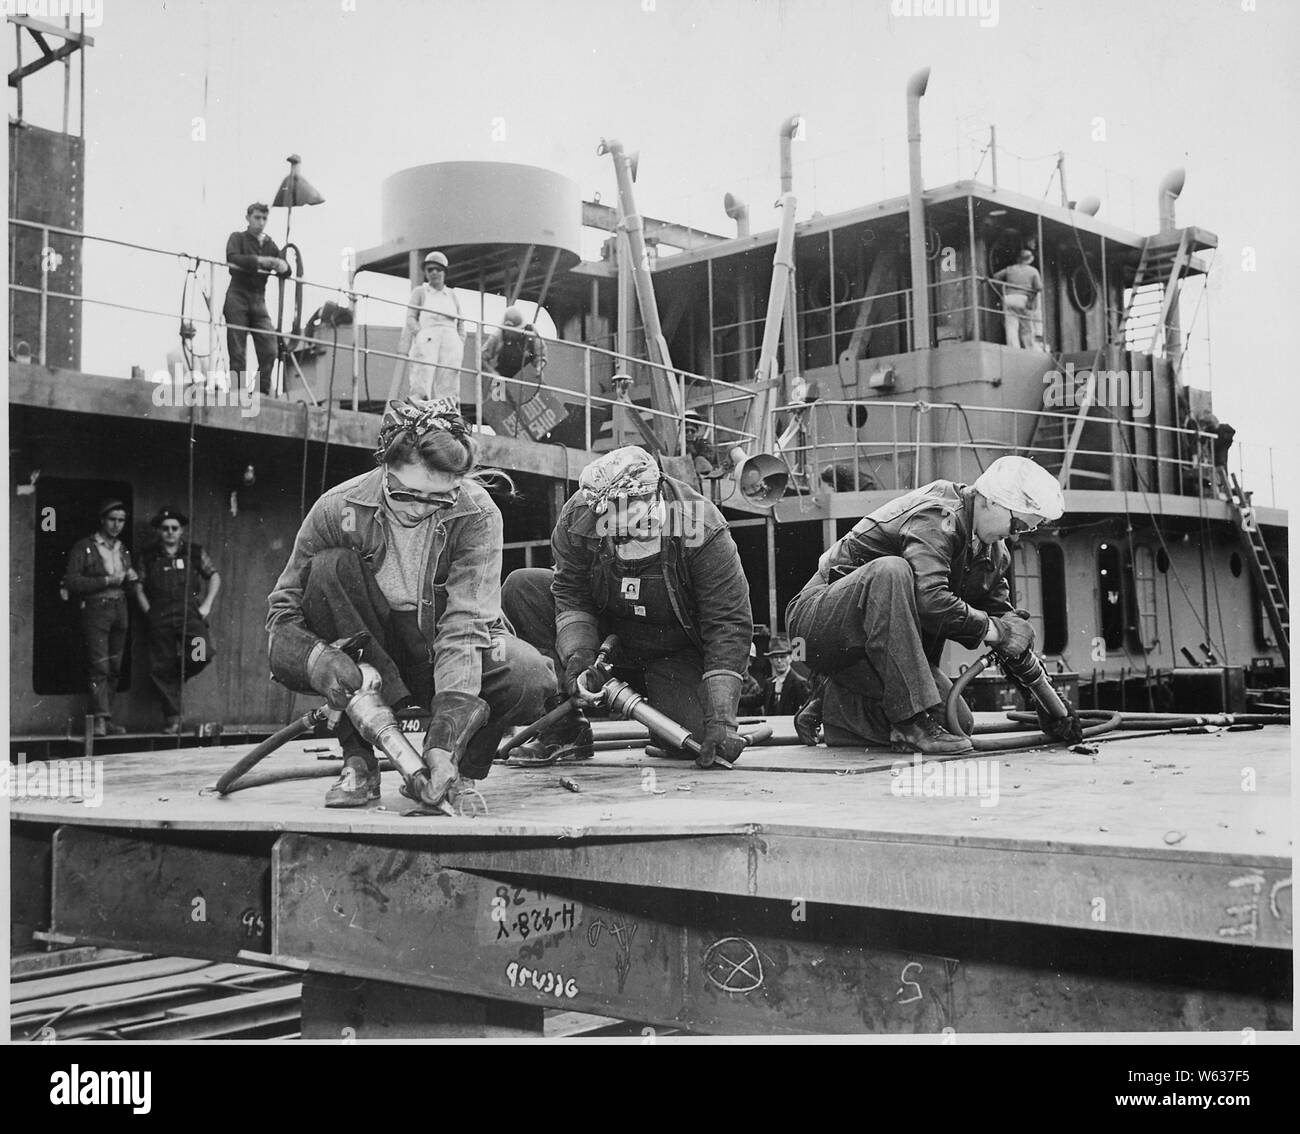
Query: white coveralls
436	345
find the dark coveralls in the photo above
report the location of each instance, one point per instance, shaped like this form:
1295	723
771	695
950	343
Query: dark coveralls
456	641
104	621
885	599
679	615
180	640
245	306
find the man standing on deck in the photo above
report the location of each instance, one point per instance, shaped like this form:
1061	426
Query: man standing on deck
929	566
1019	287
252	256
180	584
646	557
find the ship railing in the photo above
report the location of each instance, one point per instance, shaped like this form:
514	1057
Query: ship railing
590	366
908	450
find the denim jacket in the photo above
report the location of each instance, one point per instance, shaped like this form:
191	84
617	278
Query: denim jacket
460	605
932	527
706	581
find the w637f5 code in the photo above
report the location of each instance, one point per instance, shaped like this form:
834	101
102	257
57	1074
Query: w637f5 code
1188	1076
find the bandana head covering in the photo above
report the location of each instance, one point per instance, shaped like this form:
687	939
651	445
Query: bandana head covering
623	474
1023	486
418	418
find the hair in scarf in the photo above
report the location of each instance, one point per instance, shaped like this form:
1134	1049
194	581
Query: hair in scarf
434	434
625	473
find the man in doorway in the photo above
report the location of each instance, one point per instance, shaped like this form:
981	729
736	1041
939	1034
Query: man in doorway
99	573
180	584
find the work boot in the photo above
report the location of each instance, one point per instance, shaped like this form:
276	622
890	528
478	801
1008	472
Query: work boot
923	733
808	720
359	782
567	740
104	726
172	726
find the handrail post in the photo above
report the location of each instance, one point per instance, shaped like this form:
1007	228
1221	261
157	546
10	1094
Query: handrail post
586	390
45	289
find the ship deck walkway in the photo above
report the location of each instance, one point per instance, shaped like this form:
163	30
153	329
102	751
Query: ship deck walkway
1146	886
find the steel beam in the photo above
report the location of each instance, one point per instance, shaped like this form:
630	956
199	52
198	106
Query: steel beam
185	900
1227	900
732	967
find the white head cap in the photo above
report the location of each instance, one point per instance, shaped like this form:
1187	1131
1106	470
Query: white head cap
1023	486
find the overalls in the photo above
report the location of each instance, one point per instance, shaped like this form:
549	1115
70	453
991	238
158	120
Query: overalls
180	642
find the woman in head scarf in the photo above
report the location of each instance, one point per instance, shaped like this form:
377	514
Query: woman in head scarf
410	555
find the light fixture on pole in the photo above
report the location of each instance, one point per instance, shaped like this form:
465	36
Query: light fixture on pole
295	189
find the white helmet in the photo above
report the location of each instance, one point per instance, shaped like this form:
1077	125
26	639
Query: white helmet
1023	486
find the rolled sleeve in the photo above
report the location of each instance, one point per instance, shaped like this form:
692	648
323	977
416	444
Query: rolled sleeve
473	605
929	550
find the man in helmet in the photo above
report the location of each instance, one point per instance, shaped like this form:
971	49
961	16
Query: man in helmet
1019	287
927	567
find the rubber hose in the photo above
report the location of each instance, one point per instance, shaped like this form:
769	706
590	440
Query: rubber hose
1107	721
270	744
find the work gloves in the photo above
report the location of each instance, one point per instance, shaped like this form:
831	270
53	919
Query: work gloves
721	738
808	720
456	718
1015	634
335	676
576	644
1066	729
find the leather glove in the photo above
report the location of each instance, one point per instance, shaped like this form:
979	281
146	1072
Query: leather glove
335	676
721	733
721	741
1067	729
576	645
456	718
1015	634
577	664
808	720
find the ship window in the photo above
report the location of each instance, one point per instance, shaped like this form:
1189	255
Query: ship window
1110	595
1051	573
1144	587
1027	586
1234	565
1162	561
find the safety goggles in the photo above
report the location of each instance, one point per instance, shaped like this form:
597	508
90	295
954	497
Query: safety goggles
1019	527
399	493
169	528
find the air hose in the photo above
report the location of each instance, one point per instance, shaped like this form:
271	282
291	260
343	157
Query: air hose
1105	721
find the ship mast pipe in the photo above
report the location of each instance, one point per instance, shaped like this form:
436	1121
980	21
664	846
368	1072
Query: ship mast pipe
664	395
916	212
782	270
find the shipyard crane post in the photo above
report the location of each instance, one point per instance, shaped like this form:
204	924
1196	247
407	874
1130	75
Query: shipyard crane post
663	389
